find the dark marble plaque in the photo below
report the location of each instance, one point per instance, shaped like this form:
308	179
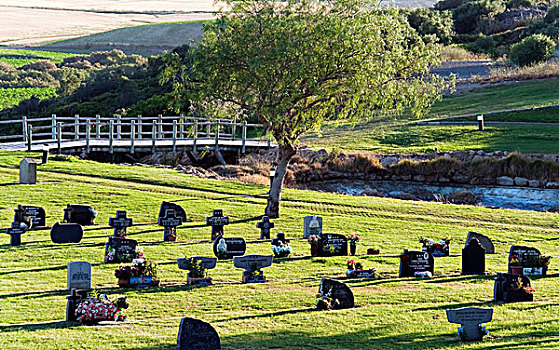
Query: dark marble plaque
332	244
473	258
33	217
229	247
197	335
338	291
124	250
415	261
66	233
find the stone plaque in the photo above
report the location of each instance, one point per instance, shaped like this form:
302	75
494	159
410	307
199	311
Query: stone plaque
338	291
197	335
206	262
179	211
79	275
471	319
79	214
415	261
120	223
66	233
123	250
312	226
33	217
485	242
332	244
28	171
229	247
473	258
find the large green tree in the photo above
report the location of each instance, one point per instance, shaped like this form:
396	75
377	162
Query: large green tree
295	65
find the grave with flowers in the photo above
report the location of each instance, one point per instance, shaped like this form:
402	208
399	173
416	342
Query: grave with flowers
355	270
197	267
121	250
141	274
527	261
334	295
253	265
437	249
98	308
280	246
510	288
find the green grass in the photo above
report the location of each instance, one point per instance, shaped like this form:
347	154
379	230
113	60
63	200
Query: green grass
13	96
18	58
391	312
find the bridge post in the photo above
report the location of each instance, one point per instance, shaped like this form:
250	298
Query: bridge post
174	136
195	137
153	131
132	135
87	134
118	127
24	128
217	135
269	142
139	126
208	128
111	136
233	130
29	137
59	136
53	126
181	125
243	137
97	126
159	125
77	127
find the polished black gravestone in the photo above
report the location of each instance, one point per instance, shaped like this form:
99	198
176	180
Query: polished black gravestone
66	233
229	247
332	244
76	295
265	226
341	294
79	214
485	242
120	250
529	258
217	221
197	335
179	211
280	239
507	289
415	261
33	217
15	232
170	222
473	258
120	223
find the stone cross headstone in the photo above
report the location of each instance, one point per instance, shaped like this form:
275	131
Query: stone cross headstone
415	261
253	264
197	335
33	217
170	223
503	289
265	226
471	319
332	244
120	223
122	250
76	295
217	221
79	275
15	233
79	214
338	291
229	247
28	171
527	256
485	242
66	233
473	258
280	239
179	211
312	226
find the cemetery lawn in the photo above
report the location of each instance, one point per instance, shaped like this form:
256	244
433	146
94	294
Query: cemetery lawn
391	312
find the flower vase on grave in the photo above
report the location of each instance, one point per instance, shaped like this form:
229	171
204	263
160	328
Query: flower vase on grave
123	283
314	250
516	270
352	249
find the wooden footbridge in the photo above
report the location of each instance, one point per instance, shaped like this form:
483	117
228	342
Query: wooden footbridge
130	135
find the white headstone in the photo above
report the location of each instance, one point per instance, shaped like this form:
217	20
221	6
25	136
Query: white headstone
28	171
312	226
79	275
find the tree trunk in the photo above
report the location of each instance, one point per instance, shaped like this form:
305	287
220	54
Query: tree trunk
286	152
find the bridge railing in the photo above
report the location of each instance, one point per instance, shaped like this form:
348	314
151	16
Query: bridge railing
174	128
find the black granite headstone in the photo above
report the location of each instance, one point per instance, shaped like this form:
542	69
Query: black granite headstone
265	226
33	217
527	256
338	291
79	214
120	223
473	258
76	295
170	223
179	211
66	233
280	239
332	244
123	250
15	233
415	261
229	247
505	290
217	221
197	335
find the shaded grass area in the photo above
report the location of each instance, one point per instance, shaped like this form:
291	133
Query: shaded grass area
18	57
391	312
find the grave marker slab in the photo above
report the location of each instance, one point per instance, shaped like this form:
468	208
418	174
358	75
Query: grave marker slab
66	233
15	232
179	211
265	226
340	293
120	223
473	258
485	242
529	259
79	214
471	319
28	171
33	217
415	261
229	247
170	223
332	244
197	335
120	249
505	288
79	275
217	221
252	264
312	225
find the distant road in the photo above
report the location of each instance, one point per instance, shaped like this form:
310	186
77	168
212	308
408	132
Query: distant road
465	69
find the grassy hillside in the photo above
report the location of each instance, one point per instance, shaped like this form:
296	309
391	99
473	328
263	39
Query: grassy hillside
18	58
391	312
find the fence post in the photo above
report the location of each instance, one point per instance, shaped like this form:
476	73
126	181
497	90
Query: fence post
53	126
243	137
217	135
132	135
233	130
111	136
87	134
139	126
77	127
118	127
208	128
24	128
195	137
174	136
269	142
159	126
29	137
97	126
153	131
59	136
181	125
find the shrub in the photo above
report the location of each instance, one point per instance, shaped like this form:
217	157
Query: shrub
427	23
533	49
467	16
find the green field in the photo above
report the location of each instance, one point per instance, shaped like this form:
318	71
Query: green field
391	312
13	96
18	58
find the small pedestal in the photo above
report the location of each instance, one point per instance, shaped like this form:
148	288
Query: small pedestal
198	281
249	278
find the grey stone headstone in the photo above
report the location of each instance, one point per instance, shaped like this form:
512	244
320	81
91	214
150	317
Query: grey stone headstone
485	242
312	226
338	291
79	275
197	335
206	262
473	258
248	261
28	171
470	318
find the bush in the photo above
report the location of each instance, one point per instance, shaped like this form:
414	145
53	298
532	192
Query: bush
467	16
533	49
428	22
